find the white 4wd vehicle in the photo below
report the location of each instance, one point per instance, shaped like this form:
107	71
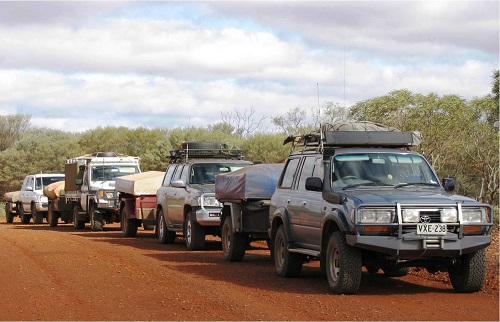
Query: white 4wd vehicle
32	202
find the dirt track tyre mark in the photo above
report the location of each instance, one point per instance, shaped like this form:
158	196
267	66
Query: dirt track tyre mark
165	236
343	265
469	273
234	244
287	264
194	233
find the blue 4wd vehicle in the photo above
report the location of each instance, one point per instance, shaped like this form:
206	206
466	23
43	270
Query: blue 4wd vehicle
362	198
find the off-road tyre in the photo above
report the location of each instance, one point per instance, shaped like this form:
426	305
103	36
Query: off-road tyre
9	215
165	236
287	264
127	225
400	272
52	216
469	273
96	219
194	233
343	265
77	224
234	244
37	216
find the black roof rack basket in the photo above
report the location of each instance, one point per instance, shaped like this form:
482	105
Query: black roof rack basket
204	150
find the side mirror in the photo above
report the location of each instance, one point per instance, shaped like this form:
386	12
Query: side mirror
29	188
449	184
314	184
178	184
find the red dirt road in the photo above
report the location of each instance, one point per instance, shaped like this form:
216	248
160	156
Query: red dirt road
63	274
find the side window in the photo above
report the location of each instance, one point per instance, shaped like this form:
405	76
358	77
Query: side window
31	182
307	171
318	168
38	183
185	174
168	175
178	171
289	175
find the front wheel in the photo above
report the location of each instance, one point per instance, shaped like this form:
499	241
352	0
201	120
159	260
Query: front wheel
77	224
37	216
52	216
128	225
165	236
469	273
343	265
194	233
234	244
287	264
96	220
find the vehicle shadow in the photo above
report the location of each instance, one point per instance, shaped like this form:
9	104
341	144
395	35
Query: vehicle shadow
255	271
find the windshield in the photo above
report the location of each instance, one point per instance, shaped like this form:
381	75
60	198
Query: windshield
381	169
206	172
111	172
45	181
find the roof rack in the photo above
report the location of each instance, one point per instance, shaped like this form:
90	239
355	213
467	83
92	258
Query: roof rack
204	150
355	134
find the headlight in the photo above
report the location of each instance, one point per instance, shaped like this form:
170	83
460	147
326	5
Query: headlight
473	215
44	199
376	216
448	215
110	195
411	215
209	201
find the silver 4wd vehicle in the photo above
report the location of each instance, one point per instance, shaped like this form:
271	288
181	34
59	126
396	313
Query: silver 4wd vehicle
186	200
32	203
361	198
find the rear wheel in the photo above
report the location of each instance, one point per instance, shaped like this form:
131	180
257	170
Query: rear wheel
469	273
287	264
165	236
52	216
194	233
25	218
343	265
393	272
77	224
9	215
128	225
233	244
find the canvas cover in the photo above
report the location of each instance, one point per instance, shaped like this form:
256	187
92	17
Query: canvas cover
138	184
53	190
12	196
253	182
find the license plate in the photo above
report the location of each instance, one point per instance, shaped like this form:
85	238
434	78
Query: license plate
431	229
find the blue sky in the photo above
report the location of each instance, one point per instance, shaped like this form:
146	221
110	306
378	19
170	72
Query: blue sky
78	65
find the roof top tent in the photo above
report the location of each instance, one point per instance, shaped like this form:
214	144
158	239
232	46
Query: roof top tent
204	150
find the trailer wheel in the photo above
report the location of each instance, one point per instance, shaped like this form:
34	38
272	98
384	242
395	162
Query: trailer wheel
287	264
343	265
52	216
9	215
96	219
165	236
77	224
469	273
194	233
128	225
234	245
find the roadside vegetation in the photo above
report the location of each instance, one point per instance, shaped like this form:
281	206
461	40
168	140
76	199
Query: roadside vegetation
460	137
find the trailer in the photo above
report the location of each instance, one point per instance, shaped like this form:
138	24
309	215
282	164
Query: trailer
245	195
58	207
11	205
137	201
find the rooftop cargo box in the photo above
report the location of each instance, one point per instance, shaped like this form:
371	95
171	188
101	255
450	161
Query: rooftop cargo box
144	183
253	182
